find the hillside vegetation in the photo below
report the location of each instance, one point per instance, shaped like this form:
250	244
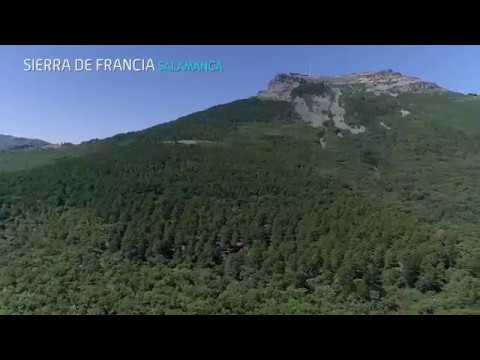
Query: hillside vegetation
254	216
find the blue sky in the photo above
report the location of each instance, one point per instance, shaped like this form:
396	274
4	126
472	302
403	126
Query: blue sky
74	107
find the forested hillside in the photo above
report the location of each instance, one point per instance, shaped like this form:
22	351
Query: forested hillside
243	209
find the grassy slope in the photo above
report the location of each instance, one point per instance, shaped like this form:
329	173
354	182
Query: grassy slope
23	160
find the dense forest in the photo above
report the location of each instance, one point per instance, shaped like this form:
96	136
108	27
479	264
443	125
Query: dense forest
239	210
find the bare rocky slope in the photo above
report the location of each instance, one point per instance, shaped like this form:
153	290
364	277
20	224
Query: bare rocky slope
382	82
317	99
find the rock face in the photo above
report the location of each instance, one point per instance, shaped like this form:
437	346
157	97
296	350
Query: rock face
390	83
324	111
382	82
317	98
281	86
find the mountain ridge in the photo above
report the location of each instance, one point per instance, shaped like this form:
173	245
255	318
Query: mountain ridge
381	82
9	142
281	88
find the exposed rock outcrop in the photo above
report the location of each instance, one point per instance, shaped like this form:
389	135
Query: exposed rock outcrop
317	98
382	82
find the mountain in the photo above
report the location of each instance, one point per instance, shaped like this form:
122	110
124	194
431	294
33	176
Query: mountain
382	82
318	99
14	143
319	195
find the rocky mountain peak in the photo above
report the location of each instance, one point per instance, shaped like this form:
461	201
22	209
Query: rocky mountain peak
317	99
386	82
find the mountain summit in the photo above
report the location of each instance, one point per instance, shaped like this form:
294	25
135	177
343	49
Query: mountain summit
386	82
322	101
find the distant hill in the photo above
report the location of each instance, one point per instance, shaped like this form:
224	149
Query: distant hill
8	142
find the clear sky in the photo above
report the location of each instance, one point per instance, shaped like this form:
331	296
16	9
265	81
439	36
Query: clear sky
74	107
